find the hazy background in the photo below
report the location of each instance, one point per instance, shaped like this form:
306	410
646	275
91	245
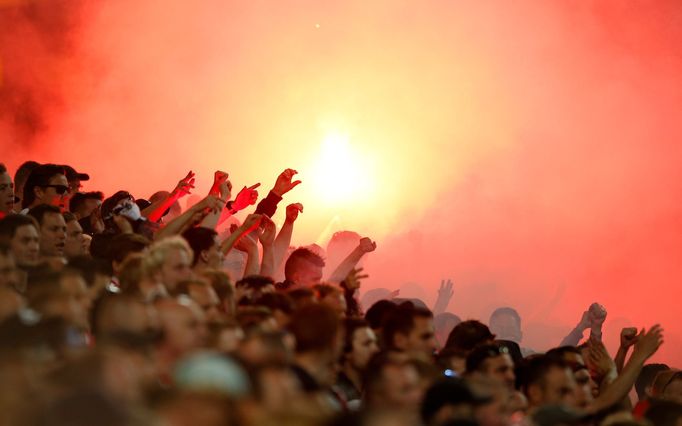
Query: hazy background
528	150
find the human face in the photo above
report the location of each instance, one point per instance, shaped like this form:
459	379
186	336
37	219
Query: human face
74	244
422	338
401	387
505	327
207	299
25	245
53	194
308	274
176	268
583	380
557	388
52	235
6	193
184	326
364	345
213	257
501	368
75	289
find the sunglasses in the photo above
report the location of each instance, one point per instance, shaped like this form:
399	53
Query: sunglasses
59	189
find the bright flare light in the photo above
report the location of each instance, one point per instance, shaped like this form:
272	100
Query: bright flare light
341	175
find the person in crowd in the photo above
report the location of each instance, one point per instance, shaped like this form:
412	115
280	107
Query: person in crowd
493	362
360	344
20	177
410	330
304	268
74	244
83	204
6	192
52	229
21	234
47	184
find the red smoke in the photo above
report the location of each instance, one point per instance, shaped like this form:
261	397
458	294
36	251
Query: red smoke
529	150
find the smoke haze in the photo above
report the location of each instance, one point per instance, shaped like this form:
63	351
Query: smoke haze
528	150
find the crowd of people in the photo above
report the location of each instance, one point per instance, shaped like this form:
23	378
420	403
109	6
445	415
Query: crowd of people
121	310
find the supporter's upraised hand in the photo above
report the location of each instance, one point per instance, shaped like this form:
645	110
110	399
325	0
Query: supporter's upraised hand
251	222
267	237
247	243
284	182
445	291
628	337
184	186
222	187
292	212
354	278
210	204
597	315
366	245
648	342
246	197
599	360
585	322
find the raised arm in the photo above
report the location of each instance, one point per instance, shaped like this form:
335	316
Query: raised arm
444	295
283	184
251	222
365	246
628	337
597	317
222	189
246	197
191	217
575	336
267	240
155	211
647	344
283	239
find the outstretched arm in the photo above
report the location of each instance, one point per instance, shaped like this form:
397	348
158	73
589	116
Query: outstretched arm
154	212
190	217
222	189
444	295
283	239
283	184
576	335
251	222
628	337
365	246
647	344
246	197
267	239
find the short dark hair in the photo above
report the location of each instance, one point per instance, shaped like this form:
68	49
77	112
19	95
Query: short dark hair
78	199
664	413
506	311
646	378
120	246
38	212
535	368
301	255
10	223
315	327
468	334
255	282
3	169
40	176
69	217
199	239
377	312
349	327
276	302
401	320
481	353
24	171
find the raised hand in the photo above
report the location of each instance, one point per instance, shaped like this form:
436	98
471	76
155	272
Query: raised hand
628	337
366	245
292	212
184	186
222	187
284	182
585	322
648	342
210	204
599	360
246	197
445	291
354	278
251	222
267	237
597	315
247	244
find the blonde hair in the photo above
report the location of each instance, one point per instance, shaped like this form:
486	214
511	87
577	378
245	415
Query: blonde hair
159	251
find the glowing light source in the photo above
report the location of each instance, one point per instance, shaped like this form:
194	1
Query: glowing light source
341	174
